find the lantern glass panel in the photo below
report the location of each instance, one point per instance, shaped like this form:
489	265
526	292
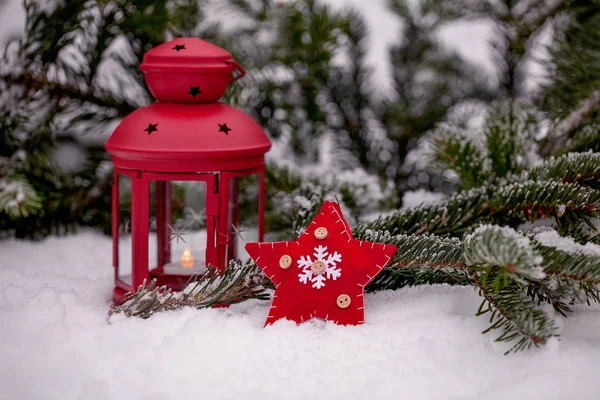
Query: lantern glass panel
243	226
124	249
177	226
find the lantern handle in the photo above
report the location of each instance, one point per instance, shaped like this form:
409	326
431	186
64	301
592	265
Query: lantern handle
238	67
221	235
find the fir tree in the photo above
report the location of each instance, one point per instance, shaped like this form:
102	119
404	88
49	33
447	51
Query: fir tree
428	81
572	96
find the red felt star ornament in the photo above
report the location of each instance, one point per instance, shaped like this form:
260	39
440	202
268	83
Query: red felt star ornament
323	274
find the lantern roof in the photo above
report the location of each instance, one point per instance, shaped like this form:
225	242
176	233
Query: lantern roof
189	70
187	131
180	137
185	55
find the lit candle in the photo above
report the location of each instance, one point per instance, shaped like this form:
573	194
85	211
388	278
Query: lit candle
187	261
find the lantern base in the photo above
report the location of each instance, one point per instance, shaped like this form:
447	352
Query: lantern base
173	281
177	269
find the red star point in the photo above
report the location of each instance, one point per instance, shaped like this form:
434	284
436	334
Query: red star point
323	274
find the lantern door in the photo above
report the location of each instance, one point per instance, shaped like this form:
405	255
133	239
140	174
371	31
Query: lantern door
181	225
242	212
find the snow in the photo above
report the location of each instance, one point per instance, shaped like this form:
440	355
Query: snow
549	237
514	249
12	20
421	197
417	343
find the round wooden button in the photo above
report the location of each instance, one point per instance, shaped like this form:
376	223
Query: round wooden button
318	267
285	261
321	232
343	301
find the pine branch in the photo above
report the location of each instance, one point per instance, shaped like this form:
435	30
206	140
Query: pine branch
508	203
422	250
236	284
398	276
576	118
456	151
580	233
553	292
580	168
58	90
503	253
529	26
573	271
529	201
585	139
502	263
572	278
451	217
18	198
576	266
517	317
419	260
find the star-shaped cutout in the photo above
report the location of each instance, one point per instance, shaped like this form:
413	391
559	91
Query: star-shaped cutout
194	91
238	230
193	218
179	47
224	128
323	274
177	233
151	128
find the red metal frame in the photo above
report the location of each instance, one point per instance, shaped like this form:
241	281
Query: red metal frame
224	194
121	287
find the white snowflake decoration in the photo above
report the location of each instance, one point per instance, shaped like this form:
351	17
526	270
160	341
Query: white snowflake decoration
331	270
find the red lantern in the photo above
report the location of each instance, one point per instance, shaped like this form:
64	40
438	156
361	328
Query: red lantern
189	173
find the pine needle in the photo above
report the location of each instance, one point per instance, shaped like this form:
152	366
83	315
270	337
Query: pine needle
236	284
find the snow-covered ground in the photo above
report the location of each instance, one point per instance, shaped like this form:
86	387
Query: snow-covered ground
417	343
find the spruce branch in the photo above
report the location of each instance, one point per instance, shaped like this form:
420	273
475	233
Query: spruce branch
424	259
455	150
451	217
580	233
504	253
585	139
502	263
18	199
62	90
572	278
575	118
419	250
553	292
516	316
236	284
506	203
575	266
580	168
531	200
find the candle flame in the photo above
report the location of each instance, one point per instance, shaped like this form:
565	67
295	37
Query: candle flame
187	261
